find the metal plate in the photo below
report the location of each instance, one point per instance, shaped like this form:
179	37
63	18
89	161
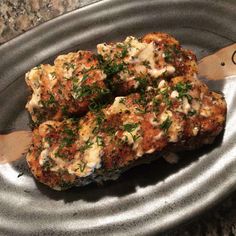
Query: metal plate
149	198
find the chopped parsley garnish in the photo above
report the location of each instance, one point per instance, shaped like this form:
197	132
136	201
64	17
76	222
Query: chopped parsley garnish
66	141
81	166
166	124
53	74
49	140
85	70
176	50
170	53
95	130
124	52
20	174
155	104
88	144
95	106
110	67
130	127
47	165
68	131
110	130
147	64
142	88
142	84
81	91
122	100
50	101
166	98
68	65
60	153
192	112
140	111
182	89
141	101
113	68
100	141
135	137
84	78
64	110
100	117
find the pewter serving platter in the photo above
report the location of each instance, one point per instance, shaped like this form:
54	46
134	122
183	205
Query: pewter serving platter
147	199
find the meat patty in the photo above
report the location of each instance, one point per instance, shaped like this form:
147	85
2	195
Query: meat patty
179	113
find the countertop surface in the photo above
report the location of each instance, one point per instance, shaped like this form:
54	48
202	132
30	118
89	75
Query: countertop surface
17	17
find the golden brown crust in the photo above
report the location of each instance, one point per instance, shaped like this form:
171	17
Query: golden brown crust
128	129
166	111
67	87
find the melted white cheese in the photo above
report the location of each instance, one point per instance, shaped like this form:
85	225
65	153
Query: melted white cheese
44	127
174	94
175	127
137	54
205	111
147	54
33	79
48	72
129	136
162	84
164	115
174	131
135	46
85	164
186	105
153	121
150	151
196	105
159	136
117	106
92	156
195	131
43	157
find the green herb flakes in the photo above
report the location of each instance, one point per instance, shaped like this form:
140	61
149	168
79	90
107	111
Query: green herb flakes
130	127
182	89
100	141
88	144
166	124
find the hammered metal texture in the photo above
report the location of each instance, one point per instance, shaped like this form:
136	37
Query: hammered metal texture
147	199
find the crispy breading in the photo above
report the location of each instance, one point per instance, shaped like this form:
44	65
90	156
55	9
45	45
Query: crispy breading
154	57
179	114
70	86
66	88
142	97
